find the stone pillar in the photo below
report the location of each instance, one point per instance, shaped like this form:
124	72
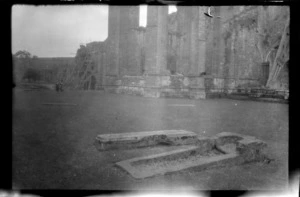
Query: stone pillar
172	43
128	45
216	52
141	50
156	40
201	40
113	42
184	29
209	43
192	29
194	43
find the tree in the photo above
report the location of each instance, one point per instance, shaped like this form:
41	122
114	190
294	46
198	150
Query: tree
22	63
273	39
23	54
24	58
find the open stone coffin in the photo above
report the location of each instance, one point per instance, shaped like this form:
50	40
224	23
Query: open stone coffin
221	150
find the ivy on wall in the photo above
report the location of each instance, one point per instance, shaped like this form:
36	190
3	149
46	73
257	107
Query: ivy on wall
84	74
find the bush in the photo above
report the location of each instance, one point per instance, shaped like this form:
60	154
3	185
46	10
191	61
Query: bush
32	75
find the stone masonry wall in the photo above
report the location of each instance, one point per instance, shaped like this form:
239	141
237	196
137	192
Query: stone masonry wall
234	59
158	86
187	54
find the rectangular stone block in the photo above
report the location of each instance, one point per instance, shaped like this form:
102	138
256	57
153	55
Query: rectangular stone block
174	93
143	139
133	81
112	90
138	91
165	81
196	82
218	83
152	92
111	81
152	81
176	82
197	93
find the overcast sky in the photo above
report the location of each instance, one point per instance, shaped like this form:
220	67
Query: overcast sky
58	31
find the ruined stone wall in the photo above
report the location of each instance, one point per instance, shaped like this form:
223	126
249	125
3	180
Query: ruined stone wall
124	51
159	54
89	69
187	53
271	24
241	55
234	53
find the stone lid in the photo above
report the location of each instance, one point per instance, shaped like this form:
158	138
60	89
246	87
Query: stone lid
140	135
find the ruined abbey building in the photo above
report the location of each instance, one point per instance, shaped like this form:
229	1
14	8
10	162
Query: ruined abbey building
240	50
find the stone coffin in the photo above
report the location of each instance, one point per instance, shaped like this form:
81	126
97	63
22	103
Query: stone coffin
144	139
224	149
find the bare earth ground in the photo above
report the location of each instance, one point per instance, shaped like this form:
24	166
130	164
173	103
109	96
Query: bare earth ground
53	145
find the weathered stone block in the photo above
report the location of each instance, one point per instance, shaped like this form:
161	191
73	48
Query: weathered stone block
175	93
165	81
248	147
152	81
227	137
230	85
143	139
206	144
197	94
176	81
133	81
131	90
186	82
113	90
196	82
218	83
152	92
111	80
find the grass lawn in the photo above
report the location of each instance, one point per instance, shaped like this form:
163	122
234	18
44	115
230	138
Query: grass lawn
53	144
